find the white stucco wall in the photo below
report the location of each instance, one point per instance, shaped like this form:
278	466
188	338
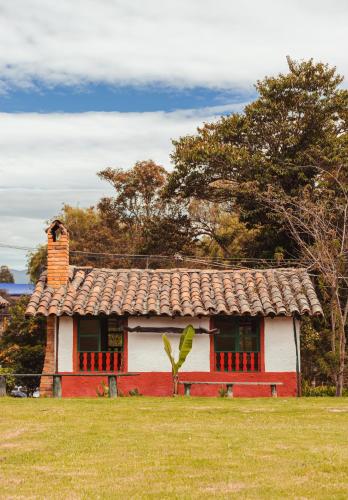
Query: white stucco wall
280	352
65	344
146	352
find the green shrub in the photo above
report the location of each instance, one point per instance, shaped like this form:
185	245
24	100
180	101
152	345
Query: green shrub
223	392
320	391
134	392
102	390
10	381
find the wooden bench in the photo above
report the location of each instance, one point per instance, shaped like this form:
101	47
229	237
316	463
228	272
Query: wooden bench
229	386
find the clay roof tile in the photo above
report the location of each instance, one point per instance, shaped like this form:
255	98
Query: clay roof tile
174	292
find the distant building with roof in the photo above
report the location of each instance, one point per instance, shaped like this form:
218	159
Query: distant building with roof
15	290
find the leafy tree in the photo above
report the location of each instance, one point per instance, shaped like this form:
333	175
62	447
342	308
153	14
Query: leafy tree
299	118
318	360
318	222
137	192
136	220
37	262
5	275
157	225
220	231
89	234
22	344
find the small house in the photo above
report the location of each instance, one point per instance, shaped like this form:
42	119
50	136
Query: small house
102	321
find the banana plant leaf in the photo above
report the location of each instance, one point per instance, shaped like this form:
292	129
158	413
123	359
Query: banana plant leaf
185	346
168	349
182	336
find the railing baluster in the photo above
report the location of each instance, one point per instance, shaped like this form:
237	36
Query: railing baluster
252	362
222	361
237	362
107	361
244	361
229	361
92	361
100	361
84	362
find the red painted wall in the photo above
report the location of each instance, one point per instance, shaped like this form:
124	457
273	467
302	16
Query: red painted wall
160	384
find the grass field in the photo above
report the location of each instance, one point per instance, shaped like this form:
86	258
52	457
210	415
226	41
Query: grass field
174	448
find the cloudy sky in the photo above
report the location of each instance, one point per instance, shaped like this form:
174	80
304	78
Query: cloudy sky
86	84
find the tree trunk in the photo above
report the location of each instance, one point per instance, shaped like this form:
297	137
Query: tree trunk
175	384
342	359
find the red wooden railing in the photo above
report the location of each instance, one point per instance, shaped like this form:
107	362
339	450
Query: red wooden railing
237	361
101	361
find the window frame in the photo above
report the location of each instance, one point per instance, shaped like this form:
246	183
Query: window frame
102	335
236	323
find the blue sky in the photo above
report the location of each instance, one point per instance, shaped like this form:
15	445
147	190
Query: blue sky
125	98
96	83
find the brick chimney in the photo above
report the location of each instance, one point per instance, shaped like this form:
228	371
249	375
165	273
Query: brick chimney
57	254
57	275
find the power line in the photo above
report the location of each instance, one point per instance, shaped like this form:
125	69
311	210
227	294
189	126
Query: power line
145	256
222	262
16	247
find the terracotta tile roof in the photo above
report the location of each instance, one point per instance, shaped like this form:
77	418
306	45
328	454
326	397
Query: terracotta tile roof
183	292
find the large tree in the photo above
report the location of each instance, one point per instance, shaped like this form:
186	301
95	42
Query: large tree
317	220
136	220
221	234
299	118
89	235
157	225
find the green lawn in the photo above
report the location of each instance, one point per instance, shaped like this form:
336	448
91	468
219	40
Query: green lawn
174	448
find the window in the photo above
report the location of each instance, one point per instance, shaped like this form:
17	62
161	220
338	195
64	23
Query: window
100	334
237	346
89	334
237	334
100	344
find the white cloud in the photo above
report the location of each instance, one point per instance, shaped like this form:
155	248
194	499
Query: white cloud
177	43
50	159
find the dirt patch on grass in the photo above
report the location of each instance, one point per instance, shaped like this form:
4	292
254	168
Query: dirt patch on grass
12	434
7	438
9	445
225	488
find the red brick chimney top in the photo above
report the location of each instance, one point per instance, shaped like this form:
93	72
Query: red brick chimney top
57	254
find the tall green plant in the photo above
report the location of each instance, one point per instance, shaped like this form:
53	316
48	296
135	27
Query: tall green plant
185	347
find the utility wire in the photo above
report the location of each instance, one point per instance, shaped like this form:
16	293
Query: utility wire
221	262
175	256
